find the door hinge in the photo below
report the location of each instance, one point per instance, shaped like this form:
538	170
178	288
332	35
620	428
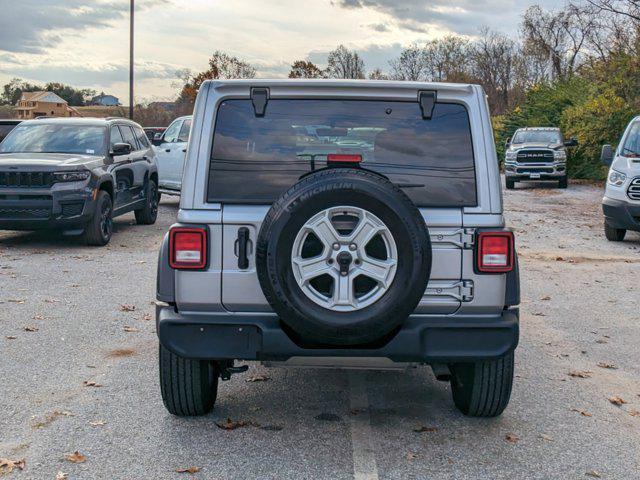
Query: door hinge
259	98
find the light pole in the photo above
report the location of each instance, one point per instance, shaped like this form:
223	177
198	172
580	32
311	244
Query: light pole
131	60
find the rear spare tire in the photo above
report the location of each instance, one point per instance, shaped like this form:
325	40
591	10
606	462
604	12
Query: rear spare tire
343	257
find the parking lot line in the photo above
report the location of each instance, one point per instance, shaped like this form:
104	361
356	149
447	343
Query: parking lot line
364	461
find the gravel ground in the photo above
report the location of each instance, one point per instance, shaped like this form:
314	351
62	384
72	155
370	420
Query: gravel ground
579	311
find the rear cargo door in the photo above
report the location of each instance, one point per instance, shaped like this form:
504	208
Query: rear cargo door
241	290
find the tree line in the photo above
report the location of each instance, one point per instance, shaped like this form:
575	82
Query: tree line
12	91
577	67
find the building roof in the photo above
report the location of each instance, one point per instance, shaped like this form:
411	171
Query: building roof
42	97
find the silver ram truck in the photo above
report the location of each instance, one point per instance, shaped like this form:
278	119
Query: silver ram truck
344	224
538	153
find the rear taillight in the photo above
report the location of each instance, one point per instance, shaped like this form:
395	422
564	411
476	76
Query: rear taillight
188	248
495	252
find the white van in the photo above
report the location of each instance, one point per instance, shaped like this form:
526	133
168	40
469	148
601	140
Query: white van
621	202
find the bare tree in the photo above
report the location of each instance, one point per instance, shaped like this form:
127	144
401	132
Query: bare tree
559	36
627	8
344	63
447	59
221	65
378	74
410	65
495	60
305	69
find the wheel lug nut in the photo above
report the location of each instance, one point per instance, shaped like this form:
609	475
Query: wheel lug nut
344	274
330	261
353	246
357	262
336	246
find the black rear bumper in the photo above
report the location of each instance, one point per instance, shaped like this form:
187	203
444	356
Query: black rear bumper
620	214
422	338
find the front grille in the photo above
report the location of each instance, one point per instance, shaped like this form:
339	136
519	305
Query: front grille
534	170
634	189
72	209
26	179
18	213
531	156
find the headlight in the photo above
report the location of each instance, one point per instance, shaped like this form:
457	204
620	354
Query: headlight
71	176
617	178
560	155
511	155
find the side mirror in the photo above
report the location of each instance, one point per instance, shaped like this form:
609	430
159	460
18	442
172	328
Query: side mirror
120	149
507	143
606	156
157	139
572	142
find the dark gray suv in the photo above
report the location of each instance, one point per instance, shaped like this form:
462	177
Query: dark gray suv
75	175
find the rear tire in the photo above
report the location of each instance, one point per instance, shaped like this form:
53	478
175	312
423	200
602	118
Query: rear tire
563	182
482	389
149	213
100	228
614	234
189	387
510	184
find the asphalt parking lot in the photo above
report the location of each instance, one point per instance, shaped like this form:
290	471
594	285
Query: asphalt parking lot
78	358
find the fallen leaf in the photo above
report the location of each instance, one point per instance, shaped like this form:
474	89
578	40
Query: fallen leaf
91	383
11	337
188	470
412	456
129	329
7	466
50	300
511	437
62	476
31	328
16	300
607	365
232	425
546	437
593	473
75	457
545	298
582	412
559	259
258	378
601	340
97	423
146	317
539	314
580	373
616	400
127	308
38	317
634	413
422	429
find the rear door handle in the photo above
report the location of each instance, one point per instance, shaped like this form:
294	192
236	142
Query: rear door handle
168	150
243	240
184	150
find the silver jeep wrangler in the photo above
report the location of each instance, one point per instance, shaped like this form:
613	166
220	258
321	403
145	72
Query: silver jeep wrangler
337	223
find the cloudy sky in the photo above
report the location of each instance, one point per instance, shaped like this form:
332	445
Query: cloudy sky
85	42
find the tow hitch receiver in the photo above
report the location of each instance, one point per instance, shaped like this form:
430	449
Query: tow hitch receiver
226	370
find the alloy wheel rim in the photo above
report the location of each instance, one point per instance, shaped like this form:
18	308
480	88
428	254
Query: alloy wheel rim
106	223
344	258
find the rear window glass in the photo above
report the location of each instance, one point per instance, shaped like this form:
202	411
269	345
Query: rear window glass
255	159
